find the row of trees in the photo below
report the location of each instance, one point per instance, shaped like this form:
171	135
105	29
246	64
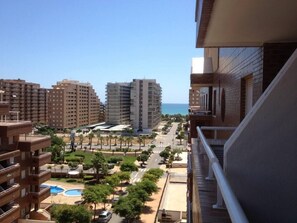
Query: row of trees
131	206
124	141
169	153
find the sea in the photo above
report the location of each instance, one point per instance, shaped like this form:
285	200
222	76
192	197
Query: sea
172	109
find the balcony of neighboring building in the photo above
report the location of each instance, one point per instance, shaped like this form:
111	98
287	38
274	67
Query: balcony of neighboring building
9	172
42	159
10	128
38	197
37	179
252	24
5	155
9	194
9	213
33	143
4	108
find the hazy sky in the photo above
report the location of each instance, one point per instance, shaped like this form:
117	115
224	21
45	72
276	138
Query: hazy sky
99	41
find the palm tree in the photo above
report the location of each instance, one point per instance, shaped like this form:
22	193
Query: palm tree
98	134
101	141
91	136
144	137
139	140
121	139
115	140
107	140
81	140
110	138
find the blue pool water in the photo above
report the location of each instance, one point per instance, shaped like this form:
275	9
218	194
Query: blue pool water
54	189
73	192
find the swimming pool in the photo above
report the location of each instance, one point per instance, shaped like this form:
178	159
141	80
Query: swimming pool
54	189
73	192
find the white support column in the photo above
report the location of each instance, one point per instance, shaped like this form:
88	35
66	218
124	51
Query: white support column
220	202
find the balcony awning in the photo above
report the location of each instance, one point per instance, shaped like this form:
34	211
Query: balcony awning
202	80
231	23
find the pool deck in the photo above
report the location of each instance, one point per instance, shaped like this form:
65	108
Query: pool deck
61	198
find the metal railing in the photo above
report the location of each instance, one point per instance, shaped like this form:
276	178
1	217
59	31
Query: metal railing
223	187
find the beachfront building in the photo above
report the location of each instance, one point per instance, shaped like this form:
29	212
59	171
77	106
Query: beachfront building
251	119
28	101
146	97
21	157
118	103
73	104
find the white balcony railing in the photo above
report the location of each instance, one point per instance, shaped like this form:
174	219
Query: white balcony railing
224	190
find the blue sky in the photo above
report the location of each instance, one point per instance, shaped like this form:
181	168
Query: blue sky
99	41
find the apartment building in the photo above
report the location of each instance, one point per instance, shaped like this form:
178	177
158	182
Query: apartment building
118	103
21	157
27	100
146	99
73	104
252	49
102	112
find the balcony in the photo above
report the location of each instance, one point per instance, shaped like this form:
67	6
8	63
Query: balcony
9	172
208	185
5	155
37	179
41	160
13	128
4	108
37	197
33	143
10	215
9	194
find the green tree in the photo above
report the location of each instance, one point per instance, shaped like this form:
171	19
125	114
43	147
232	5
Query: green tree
138	192
150	177
142	158
165	154
113	181
147	185
123	176
68	214
156	171
181	136
99	163
97	194
129	208
128	166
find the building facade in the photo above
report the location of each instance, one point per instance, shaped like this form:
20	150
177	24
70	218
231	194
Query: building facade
73	104
118	103
27	100
21	157
146	99
252	89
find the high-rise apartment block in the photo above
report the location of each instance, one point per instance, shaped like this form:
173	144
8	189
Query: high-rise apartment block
21	157
27	100
73	104
118	103
145	104
137	103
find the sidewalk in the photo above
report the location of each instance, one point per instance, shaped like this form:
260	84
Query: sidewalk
151	207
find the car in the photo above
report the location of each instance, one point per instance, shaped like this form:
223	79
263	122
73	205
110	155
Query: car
104	216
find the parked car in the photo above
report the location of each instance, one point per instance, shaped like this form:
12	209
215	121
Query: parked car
104	216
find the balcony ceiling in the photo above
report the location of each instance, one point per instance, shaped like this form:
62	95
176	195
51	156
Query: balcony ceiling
233	23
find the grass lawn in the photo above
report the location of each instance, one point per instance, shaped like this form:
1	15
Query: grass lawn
68	180
88	156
